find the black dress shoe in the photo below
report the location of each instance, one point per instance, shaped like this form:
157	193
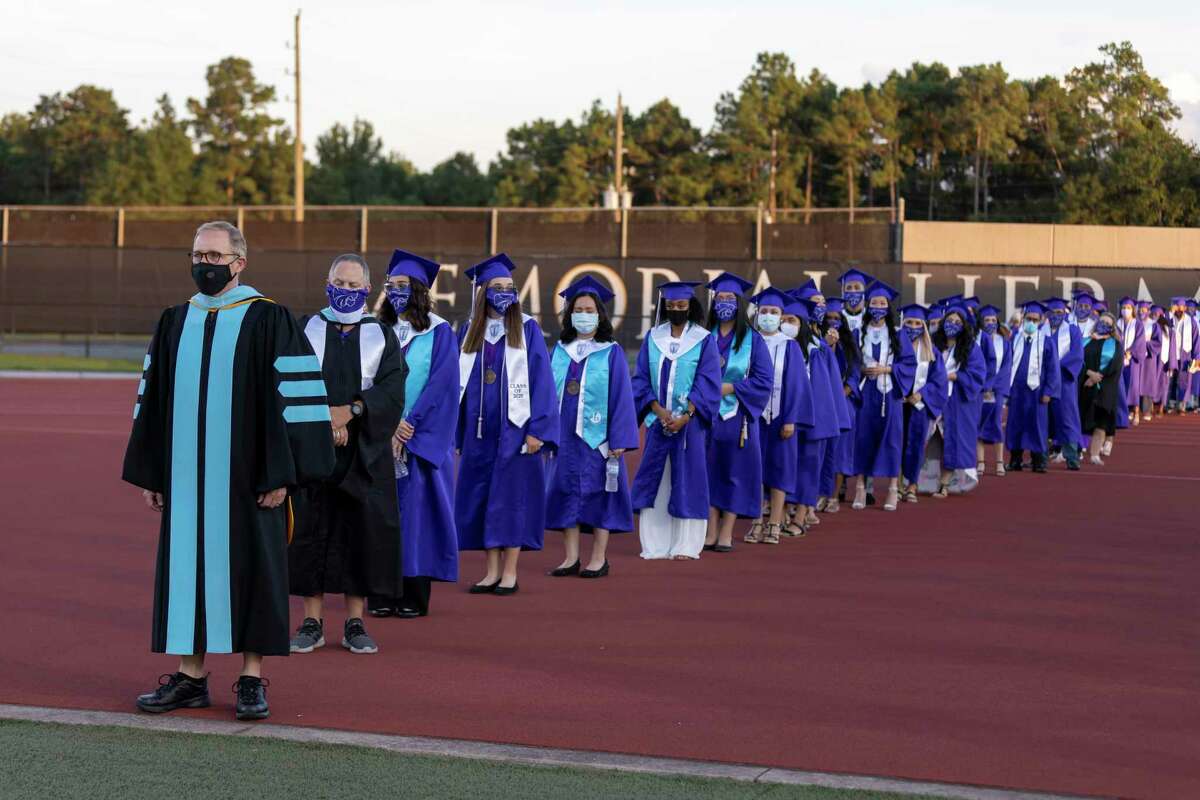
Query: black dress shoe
1039	467
723	548
383	612
559	572
506	590
483	588
251	697
1015	466
175	691
1073	466
595	573
712	546
408	613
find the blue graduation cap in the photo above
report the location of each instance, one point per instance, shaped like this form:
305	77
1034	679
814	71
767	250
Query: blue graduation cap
808	310
413	266
936	311
1055	304
1084	296
971	303
678	290
834	305
728	282
1127	301
1190	303
587	285
881	289
806	290
1157	307
914	311
988	311
498	266
855	275
1099	305
771	296
1034	307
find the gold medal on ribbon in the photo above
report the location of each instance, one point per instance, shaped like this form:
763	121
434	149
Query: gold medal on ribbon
573	387
489	376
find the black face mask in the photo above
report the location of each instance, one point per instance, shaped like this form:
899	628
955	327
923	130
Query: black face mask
677	316
211	278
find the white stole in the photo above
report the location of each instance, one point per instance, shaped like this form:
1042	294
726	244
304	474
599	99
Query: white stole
516	370
777	347
1033	372
370	347
873	335
922	378
951	369
672	348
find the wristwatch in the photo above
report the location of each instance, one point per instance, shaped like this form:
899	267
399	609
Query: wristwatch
356	408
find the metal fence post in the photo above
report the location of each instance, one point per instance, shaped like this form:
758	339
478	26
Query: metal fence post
624	232
362	230
758	228
494	232
4	226
120	227
241	219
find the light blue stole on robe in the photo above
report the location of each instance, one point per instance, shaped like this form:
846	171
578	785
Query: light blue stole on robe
736	367
418	353
685	359
591	415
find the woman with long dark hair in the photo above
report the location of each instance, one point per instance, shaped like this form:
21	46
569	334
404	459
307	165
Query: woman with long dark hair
423	445
676	391
996	345
506	415
887	378
587	486
839	461
734	444
925	403
965	377
1099	391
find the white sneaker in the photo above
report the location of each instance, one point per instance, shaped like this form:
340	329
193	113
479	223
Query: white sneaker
1058	459
1097	461
1106	448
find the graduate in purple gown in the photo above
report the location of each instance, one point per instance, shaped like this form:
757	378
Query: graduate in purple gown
996	345
1083	314
889	366
1161	330
587	485
424	441
734	446
966	375
1193	369
933	319
1183	346
854	283
1132	331
1034	381
925	402
677	394
506	415
1148	363
1064	410
839	461
789	408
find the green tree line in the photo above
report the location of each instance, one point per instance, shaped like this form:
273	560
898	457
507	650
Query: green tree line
1096	145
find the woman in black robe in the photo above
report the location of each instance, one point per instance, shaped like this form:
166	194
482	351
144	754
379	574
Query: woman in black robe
1103	359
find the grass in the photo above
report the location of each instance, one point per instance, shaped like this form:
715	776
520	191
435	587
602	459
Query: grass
40	363
67	761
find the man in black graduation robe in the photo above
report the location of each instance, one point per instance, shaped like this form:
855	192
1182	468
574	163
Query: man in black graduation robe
348	526
231	415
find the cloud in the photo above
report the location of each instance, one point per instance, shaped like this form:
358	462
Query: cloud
1189	126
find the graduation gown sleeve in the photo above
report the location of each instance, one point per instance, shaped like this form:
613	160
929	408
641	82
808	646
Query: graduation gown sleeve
933	393
642	389
706	387
1051	371
433	415
384	404
622	418
754	390
904	367
543	399
972	376
796	403
146	453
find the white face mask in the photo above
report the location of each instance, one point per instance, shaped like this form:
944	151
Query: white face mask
768	323
790	330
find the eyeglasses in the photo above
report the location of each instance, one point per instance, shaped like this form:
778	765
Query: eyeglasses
210	256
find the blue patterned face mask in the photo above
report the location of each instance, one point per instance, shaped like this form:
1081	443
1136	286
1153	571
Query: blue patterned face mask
819	311
399	297
1103	328
951	328
990	327
501	299
833	323
583	322
854	299
725	309
878	313
914	331
1083	312
1056	318
347	304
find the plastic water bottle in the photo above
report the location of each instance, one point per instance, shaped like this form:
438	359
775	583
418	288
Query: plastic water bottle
612	471
401	463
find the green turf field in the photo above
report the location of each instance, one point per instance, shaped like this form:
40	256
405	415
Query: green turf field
67	761
40	363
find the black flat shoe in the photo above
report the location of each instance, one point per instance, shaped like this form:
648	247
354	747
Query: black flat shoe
382	612
712	546
482	588
559	572
595	573
1073	467
722	548
504	591
175	691
408	613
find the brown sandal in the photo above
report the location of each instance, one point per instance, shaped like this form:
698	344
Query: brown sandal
754	535
770	534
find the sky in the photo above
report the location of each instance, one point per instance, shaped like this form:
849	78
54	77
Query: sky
438	77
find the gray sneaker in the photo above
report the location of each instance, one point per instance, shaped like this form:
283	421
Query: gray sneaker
355	638
309	636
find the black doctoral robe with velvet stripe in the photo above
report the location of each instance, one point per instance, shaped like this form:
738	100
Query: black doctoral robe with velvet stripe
348	537
231	405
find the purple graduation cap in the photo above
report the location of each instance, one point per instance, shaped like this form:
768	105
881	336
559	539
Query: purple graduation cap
1189	303
728	282
834	305
413	266
881	289
795	306
587	285
771	296
972	303
807	310
855	275
988	311
1085	297
1034	307
806	290
1127	301
678	290
1099	306
1055	304
914	311
1158	308
935	312
498	266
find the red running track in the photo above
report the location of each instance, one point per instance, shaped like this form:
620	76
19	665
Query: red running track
1040	634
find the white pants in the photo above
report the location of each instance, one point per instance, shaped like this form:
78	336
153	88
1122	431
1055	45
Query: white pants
664	536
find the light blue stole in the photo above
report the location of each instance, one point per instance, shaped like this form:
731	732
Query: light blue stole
736	367
685	359
418	354
591	416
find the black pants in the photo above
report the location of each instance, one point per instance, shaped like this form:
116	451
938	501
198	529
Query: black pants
416	596
1015	457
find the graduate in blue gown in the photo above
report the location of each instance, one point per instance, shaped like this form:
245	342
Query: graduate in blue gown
424	441
506	415
839	461
829	418
789	408
597	426
996	347
854	283
925	402
1035	380
1147	348
966	375
889	366
734	447
1064	409
677	393
1130	327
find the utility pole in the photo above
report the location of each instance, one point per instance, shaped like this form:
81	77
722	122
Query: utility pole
774	159
299	147
620	176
